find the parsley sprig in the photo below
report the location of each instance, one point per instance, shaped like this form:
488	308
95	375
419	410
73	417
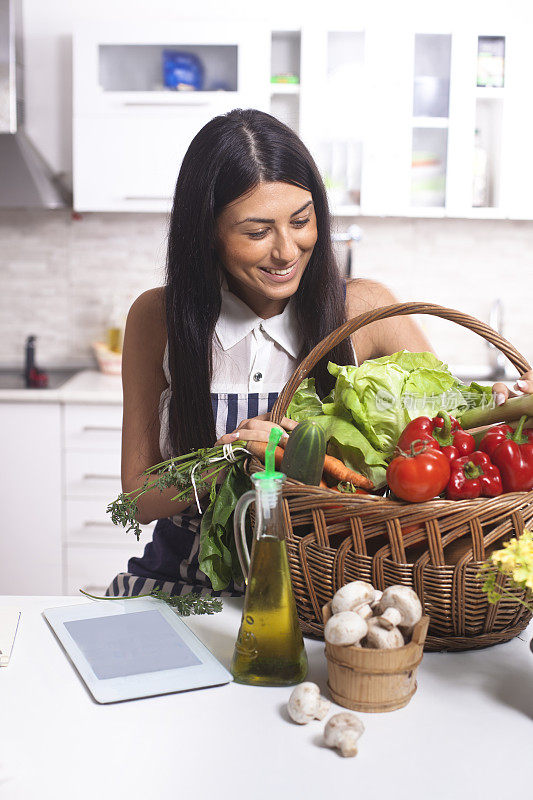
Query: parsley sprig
175	472
184	604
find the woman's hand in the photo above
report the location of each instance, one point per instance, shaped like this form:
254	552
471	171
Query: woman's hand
257	429
524	385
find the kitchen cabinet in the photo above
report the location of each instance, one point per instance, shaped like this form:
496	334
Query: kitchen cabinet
130	132
94	550
405	122
31	539
61	469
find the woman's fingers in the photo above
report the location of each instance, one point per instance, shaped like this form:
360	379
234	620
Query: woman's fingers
288	424
260	426
500	392
523	385
254	434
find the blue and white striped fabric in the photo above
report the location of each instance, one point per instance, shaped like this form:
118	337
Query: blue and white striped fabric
170	560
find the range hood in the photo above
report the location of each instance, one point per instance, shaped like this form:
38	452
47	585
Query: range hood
26	181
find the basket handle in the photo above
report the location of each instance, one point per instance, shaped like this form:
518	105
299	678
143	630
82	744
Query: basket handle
397	309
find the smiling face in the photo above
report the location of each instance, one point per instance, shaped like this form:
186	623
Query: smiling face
264	242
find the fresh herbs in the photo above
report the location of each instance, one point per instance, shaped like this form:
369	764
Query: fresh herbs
184	604
187	604
203	465
201	468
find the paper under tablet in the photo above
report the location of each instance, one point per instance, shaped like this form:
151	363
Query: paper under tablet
124	653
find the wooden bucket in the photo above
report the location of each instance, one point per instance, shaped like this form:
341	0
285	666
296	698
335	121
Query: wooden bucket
364	679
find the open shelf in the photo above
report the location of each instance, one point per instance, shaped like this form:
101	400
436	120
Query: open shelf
140	67
284	88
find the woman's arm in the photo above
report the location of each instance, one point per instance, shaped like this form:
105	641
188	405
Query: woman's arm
143	380
386	336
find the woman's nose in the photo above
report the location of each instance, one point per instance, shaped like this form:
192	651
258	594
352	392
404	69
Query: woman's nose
285	248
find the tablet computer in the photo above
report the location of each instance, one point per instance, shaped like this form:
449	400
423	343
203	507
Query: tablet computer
126	649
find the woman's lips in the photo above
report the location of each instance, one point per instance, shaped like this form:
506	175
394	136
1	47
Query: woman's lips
281	278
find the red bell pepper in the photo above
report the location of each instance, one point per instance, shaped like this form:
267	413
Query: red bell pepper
512	452
442	432
473	475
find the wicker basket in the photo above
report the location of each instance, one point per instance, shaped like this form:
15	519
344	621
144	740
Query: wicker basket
436	547
374	680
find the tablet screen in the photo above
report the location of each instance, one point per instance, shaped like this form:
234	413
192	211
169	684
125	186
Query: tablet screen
130	644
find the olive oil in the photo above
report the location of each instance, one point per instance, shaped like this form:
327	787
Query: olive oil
269	650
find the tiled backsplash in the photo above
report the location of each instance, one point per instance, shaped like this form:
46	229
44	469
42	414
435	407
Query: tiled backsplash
60	275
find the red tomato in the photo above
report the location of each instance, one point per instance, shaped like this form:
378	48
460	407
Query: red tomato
417	478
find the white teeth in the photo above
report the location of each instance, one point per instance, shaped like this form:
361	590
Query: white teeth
279	271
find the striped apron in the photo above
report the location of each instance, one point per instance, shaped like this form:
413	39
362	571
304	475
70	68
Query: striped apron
170	560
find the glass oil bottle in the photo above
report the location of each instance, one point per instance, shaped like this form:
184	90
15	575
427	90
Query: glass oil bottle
269	650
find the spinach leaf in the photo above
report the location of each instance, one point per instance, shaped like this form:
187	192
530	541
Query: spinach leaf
218	554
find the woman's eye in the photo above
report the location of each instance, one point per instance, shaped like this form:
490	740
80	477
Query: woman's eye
301	222
257	234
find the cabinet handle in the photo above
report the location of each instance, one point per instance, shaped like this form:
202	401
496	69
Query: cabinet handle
146	197
155	104
93	477
101	428
93	523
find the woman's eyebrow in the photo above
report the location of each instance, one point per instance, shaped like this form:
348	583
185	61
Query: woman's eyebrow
272	221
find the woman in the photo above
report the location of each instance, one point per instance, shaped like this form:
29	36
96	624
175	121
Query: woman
251	287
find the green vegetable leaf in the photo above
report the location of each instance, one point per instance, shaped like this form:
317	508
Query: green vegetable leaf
218	555
371	404
305	403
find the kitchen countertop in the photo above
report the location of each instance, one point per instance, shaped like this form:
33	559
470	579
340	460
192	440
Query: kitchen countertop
90	386
466	732
86	386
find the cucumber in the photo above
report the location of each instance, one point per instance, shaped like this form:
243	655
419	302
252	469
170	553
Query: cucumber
304	454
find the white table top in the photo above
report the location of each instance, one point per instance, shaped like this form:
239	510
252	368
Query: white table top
467	732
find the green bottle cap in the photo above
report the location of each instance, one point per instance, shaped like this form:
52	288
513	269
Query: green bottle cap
270	456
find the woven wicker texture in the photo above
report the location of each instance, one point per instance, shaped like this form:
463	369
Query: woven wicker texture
435	547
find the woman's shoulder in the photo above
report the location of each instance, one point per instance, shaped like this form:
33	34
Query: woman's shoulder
148	309
364	294
146	322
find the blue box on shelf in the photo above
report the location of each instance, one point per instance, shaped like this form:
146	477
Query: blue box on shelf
182	71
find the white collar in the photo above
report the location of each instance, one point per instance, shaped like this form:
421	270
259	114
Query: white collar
236	320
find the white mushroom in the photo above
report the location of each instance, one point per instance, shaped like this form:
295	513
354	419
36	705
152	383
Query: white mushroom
345	628
379	638
342	731
306	704
399	606
351	595
377	598
363	610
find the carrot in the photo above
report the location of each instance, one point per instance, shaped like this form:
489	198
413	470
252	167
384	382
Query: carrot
334	468
258	449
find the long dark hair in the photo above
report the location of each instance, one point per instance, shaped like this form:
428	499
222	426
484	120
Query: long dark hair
227	158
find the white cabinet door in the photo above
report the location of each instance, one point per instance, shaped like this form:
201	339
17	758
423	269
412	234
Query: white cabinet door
30	542
517	160
130	133
93	427
132	162
87	522
93	568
